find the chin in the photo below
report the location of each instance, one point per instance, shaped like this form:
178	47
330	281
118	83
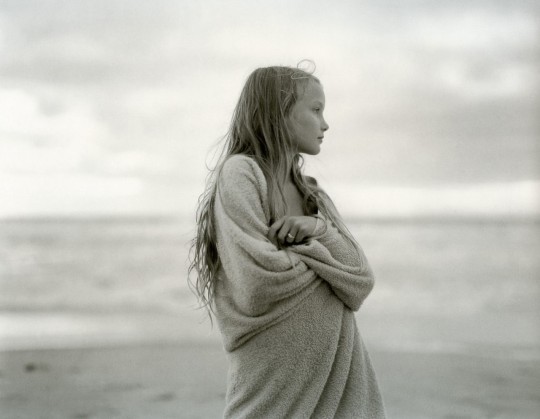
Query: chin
312	151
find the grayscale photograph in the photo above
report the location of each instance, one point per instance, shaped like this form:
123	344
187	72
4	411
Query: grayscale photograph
269	209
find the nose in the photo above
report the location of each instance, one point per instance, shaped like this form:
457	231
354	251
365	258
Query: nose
324	126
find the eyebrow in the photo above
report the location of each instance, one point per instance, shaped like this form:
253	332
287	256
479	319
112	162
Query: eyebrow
318	102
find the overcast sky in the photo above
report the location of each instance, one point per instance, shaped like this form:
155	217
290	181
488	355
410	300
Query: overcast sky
112	107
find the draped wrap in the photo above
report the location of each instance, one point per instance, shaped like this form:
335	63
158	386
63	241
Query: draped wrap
286	316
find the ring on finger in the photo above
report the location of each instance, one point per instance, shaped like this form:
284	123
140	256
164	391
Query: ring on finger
290	237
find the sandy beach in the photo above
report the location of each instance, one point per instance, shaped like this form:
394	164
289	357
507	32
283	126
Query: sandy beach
187	380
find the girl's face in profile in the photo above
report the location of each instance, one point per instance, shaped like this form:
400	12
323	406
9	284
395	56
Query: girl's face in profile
306	120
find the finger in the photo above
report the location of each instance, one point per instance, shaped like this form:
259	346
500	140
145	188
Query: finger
303	232
284	230
307	228
274	228
278	226
294	233
300	236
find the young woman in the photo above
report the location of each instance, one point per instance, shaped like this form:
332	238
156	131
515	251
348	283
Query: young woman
278	268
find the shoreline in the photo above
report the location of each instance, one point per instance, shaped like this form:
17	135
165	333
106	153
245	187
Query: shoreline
443	218
57	330
477	336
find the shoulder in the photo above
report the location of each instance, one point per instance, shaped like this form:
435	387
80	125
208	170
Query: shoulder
241	185
241	173
240	167
238	161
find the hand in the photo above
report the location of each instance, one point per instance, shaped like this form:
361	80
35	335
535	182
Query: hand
291	230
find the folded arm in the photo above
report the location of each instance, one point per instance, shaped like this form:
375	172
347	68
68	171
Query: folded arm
335	259
259	275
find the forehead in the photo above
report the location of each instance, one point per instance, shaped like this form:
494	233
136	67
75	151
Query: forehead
312	91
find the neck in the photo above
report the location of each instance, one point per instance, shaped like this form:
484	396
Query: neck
286	177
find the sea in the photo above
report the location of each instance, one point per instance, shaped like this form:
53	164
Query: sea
468	286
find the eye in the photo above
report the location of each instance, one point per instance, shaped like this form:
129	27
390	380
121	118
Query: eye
317	110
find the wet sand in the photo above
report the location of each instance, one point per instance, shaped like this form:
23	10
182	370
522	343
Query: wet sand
187	380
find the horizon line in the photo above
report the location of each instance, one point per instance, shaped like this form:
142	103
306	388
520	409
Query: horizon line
420	217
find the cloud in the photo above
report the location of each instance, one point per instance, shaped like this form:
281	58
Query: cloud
36	140
57	194
510	199
24	117
418	94
69	142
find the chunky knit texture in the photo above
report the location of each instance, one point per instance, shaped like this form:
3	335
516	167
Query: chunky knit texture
286	316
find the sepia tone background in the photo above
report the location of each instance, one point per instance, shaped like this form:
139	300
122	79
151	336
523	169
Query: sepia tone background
110	112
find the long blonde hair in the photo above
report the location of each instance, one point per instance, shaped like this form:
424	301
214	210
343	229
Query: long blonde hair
258	129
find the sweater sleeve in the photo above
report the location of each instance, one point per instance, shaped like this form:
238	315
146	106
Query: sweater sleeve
258	273
338	262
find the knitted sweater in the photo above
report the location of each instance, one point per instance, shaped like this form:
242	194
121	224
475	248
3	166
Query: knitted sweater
286	315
